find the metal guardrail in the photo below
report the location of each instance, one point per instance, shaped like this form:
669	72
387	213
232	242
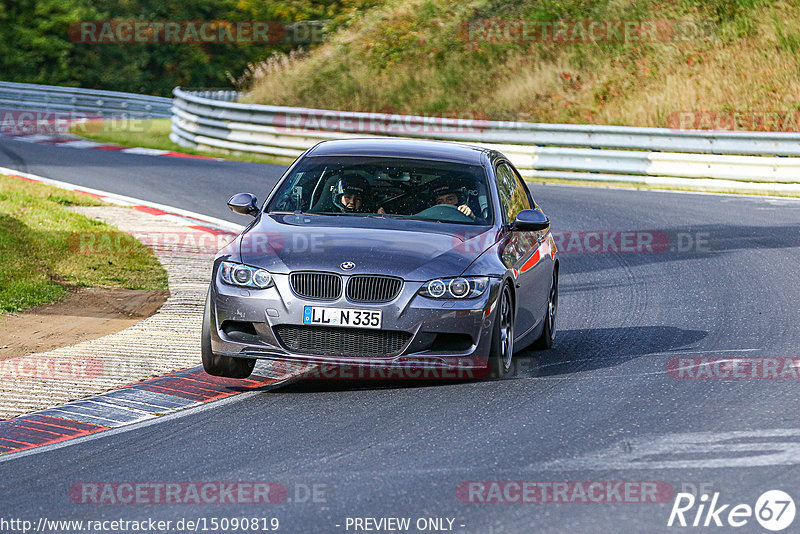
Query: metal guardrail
76	101
226	95
660	156
507	132
213	119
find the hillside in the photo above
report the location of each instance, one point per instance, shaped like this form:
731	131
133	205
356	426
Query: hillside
456	58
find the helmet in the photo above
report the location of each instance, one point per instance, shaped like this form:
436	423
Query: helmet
351	184
447	185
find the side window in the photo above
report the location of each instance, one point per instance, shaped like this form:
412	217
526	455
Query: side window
513	195
529	202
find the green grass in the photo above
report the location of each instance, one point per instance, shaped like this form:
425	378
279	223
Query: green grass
40	253
154	133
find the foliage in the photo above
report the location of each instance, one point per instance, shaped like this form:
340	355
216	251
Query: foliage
35	46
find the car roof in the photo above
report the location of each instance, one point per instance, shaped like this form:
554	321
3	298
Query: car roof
401	148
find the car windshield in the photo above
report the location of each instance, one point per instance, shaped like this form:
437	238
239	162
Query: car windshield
388	187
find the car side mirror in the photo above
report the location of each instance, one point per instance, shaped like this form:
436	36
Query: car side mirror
244	203
531	220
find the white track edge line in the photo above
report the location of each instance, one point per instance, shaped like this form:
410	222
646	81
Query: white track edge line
220	223
135	425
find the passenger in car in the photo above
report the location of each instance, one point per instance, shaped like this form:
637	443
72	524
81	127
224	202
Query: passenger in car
350	193
453	193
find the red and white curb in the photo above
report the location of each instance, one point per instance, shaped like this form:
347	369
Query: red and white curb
138	401
131	404
191	219
76	142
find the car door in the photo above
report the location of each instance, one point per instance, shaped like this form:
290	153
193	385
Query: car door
523	252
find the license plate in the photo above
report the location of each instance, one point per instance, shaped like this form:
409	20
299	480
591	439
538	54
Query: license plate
342	317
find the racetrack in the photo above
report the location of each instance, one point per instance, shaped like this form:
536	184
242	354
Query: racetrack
600	406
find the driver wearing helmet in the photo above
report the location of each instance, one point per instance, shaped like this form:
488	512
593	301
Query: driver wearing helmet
454	193
349	193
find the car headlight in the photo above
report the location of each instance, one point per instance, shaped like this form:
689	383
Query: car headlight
237	274
455	288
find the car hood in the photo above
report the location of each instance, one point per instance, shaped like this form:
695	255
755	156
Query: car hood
413	250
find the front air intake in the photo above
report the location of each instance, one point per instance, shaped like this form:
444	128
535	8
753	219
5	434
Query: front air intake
316	286
341	342
366	288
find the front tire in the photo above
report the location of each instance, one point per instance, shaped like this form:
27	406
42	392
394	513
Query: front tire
548	336
217	365
502	348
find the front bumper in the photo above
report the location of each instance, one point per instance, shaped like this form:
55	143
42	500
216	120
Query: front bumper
426	321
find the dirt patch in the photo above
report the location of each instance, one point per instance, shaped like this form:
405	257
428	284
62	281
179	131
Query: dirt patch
82	314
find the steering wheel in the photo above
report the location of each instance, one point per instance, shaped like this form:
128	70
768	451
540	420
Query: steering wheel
446	212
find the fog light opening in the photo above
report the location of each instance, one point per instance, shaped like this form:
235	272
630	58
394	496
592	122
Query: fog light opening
241	331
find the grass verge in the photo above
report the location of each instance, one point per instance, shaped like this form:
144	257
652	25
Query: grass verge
154	133
38	252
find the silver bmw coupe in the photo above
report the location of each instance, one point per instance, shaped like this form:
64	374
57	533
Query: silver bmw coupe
385	252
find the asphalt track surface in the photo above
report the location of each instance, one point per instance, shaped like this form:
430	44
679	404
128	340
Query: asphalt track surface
600	406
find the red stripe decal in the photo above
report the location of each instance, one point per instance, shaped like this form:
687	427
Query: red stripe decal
533	260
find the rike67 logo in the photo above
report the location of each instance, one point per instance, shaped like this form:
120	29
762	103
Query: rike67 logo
774	510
